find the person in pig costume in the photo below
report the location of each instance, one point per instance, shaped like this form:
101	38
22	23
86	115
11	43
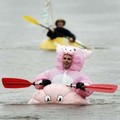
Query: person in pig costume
55	85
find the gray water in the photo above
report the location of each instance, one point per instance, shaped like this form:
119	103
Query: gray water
95	22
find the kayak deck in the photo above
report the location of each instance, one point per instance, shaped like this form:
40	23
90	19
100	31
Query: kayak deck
49	44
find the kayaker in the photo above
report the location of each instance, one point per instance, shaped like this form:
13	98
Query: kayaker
69	63
60	31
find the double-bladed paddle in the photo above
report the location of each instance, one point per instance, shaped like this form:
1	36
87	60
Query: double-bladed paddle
22	83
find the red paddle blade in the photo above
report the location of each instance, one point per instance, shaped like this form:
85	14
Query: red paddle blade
15	83
107	88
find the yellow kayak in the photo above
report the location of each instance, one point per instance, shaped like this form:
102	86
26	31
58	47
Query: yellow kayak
49	44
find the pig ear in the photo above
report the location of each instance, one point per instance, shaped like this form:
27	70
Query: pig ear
87	53
59	48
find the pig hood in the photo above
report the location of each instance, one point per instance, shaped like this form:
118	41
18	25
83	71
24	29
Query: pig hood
79	56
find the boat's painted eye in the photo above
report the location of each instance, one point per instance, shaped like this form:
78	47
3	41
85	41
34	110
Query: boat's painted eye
60	98
47	98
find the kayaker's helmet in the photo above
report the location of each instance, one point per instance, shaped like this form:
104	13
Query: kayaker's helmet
60	20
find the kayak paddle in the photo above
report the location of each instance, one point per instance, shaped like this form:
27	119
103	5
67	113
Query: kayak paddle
34	21
15	83
107	88
81	44
22	83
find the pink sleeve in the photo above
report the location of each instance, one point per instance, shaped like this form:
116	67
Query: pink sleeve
85	93
86	81
44	75
39	78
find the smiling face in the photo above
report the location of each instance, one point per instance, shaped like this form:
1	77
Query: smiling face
67	61
60	24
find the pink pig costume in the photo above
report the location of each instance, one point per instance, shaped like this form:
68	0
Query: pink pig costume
60	76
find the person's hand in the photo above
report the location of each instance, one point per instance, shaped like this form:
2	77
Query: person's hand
70	39
45	82
80	85
38	85
42	84
52	30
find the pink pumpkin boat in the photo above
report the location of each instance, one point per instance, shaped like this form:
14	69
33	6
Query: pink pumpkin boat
57	94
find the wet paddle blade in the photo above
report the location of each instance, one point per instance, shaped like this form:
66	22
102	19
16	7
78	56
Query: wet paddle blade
81	44
30	19
15	83
34	21
107	88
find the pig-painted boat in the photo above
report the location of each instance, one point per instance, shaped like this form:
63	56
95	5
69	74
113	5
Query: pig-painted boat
57	94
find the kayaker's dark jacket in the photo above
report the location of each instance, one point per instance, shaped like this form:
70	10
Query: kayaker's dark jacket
60	32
